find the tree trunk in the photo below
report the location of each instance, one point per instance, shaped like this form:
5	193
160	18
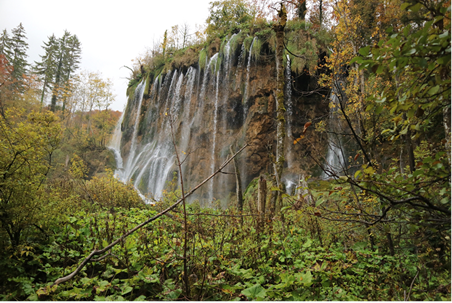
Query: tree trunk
446	122
304	195
280	110
43	92
56	85
261	199
238	184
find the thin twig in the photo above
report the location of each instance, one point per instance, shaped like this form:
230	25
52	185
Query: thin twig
411	286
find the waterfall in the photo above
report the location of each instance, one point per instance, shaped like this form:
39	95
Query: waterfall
115	146
201	108
215	130
191	77
177	96
289	98
187	118
158	154
239	67
131	161
171	94
206	78
227	66
335	157
245	94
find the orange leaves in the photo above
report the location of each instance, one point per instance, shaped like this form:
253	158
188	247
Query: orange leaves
297	140
304	131
306	127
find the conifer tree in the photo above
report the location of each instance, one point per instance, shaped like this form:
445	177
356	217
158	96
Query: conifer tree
46	69
5	45
68	58
19	55
71	62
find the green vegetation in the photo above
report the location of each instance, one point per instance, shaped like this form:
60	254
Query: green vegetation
296	259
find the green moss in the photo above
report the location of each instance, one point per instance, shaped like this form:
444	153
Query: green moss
223	43
148	80
247	43
256	51
218	62
202	58
251	189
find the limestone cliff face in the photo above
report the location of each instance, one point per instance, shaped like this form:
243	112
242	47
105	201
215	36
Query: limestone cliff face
228	102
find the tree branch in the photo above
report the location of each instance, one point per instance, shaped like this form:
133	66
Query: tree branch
111	245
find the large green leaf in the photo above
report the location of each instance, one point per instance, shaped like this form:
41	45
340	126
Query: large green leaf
255	292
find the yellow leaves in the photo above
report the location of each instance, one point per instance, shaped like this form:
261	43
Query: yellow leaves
304	131
369	170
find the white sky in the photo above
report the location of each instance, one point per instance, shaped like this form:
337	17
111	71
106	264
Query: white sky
112	33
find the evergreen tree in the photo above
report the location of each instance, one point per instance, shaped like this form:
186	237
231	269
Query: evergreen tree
19	55
46	69
71	62
301	9
5	45
68	58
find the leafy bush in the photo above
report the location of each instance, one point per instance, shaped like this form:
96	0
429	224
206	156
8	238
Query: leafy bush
26	147
109	192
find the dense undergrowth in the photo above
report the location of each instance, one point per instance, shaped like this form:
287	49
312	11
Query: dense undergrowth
296	256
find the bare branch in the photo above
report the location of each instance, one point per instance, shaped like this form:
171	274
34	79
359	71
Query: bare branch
122	238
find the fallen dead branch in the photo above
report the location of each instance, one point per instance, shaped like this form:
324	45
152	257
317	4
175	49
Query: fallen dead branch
111	245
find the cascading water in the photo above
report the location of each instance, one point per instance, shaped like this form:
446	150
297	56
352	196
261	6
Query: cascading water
115	146
227	66
177	98
289	98
215	130
335	157
131	160
158	154
240	63
171	93
204	106
245	94
188	119
206	77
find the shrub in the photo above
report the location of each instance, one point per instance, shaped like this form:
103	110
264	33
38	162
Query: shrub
107	191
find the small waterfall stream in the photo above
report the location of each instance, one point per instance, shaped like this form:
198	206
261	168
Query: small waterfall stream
115	146
289	105
131	161
240	63
335	157
248	68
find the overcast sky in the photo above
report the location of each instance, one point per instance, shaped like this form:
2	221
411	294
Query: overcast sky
112	33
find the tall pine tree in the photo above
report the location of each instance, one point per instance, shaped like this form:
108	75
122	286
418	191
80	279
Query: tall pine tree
68	58
19	47
71	64
46	69
5	45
